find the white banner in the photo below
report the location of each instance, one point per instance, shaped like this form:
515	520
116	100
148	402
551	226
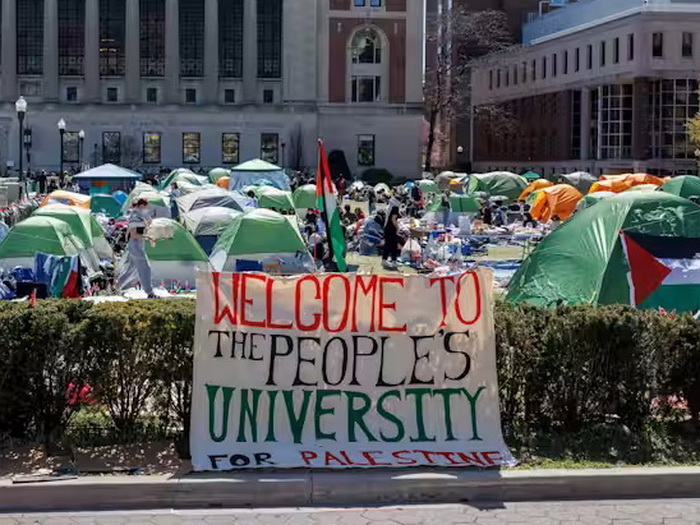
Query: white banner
345	370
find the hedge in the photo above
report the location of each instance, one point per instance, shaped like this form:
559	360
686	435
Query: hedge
564	370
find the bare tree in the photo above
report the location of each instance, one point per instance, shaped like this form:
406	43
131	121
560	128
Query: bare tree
131	152
461	38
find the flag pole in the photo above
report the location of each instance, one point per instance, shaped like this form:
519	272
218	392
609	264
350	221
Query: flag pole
321	178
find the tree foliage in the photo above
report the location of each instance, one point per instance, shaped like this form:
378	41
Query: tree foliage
461	37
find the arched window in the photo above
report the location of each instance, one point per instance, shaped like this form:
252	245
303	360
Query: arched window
366	48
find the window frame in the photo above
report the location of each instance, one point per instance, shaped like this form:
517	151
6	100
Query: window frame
189	90
355	91
112	89
687	47
657	44
196	155
224	136
372	159
229	90
146	147
630	47
264	153
108	158
151	90
616	50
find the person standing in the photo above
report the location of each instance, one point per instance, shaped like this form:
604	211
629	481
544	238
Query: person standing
445	205
390	254
137	265
174	195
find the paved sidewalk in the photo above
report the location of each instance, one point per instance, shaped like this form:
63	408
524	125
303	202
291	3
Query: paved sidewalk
649	512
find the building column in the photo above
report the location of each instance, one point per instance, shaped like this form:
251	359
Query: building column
51	84
172	52
133	52
585	122
9	51
211	55
91	62
250	51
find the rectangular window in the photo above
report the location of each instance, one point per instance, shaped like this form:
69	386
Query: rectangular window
112	147
268	96
616	51
375	3
565	66
365	150
524	72
366	89
71	36
151	148
191	148
230	146
270	39
589	57
152	95
491	79
112	37
112	94
554	65
360	3
152	37
515	75
229	96
269	147
231	39
577	60
30	37
191	38
544	67
533	70
657	45
71	94
687	45
602	54
190	96
498	78
71	146
630	47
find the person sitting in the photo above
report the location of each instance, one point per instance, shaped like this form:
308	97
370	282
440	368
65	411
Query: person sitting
372	234
347	217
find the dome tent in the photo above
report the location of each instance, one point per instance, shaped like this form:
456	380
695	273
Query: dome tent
269	197
83	225
218	173
174	261
559	200
210	197
38	235
305	197
159	204
257	172
581	180
107	204
503	183
593	198
263	236
583	261
428	186
535	185
207	224
684	186
66	197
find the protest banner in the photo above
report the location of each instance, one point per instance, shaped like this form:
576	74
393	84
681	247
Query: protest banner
345	370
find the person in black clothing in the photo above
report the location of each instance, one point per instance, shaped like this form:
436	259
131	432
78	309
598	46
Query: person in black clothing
390	253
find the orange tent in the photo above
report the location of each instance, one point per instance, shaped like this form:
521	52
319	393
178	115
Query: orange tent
67	197
535	185
620	183
223	182
560	199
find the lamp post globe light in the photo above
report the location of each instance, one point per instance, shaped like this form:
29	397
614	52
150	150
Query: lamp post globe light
81	140
61	131
21	107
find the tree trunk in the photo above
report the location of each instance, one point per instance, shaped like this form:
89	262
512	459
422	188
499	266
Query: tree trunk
432	122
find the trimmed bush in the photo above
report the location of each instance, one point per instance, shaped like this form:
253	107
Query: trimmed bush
572	371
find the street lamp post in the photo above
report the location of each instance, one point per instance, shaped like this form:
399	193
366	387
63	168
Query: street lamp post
21	107
81	139
61	131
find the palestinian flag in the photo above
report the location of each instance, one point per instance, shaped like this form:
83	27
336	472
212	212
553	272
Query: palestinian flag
656	261
328	205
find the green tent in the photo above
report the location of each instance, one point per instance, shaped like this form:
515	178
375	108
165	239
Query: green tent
531	175
217	173
269	197
583	260
305	197
83	225
38	235
160	204
684	186
165	183
428	186
107	204
265	236
187	178
464	203
593	198
503	183
181	247
209	221
643	187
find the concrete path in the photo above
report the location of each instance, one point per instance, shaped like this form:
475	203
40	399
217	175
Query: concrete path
643	512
